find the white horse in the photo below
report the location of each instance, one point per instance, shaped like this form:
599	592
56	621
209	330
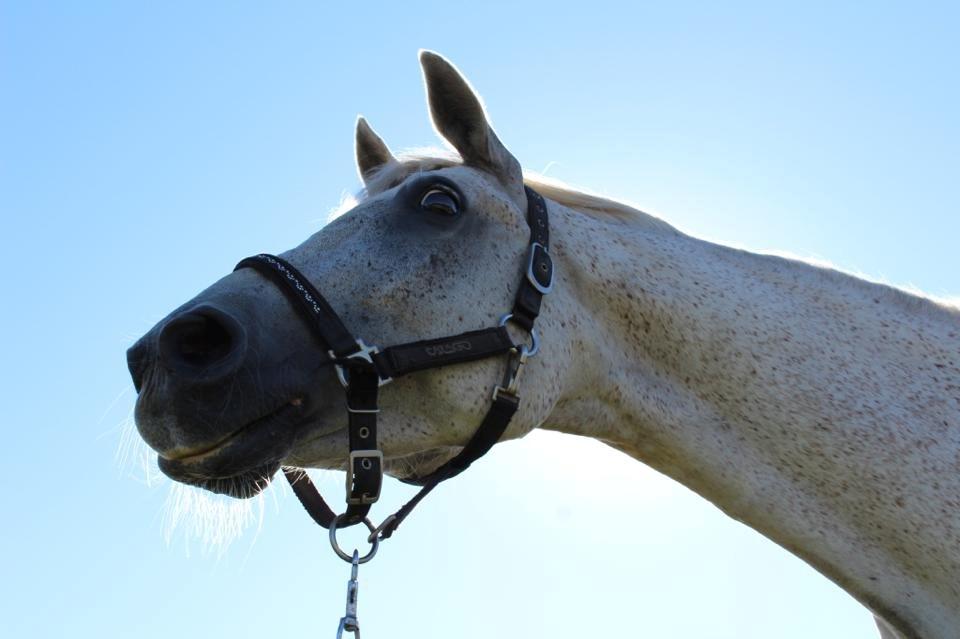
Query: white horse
817	408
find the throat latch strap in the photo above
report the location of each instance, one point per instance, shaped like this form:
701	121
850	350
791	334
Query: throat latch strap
491	429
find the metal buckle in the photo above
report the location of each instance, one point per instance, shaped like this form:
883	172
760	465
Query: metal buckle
363	411
365	353
511	379
365	498
500	390
531	277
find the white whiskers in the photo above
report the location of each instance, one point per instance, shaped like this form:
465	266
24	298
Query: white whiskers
215	521
189	514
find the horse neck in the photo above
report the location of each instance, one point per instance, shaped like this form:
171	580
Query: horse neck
819	409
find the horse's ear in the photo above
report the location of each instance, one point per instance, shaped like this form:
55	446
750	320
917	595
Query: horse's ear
459	117
372	152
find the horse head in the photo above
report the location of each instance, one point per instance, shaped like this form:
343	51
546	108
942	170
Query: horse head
232	384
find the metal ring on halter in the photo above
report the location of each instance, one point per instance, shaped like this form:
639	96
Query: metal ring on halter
534	338
374	545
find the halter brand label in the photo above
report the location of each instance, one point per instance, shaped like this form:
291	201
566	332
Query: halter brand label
447	349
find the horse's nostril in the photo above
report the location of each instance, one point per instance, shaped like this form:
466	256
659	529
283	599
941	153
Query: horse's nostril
199	339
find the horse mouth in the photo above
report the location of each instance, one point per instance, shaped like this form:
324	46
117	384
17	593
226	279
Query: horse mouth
241	464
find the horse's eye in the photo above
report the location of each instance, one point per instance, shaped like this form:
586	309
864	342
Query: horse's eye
440	200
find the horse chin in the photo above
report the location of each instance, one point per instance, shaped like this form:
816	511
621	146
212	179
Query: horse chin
242	486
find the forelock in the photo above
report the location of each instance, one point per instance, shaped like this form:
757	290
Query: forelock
394	173
409	163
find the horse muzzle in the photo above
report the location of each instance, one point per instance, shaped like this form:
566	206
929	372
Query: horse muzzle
219	413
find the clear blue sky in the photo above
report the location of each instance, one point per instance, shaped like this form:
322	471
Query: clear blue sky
145	149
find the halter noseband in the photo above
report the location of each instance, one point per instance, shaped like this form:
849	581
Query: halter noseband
363	369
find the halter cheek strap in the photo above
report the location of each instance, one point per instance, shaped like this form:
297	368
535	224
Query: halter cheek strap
363	369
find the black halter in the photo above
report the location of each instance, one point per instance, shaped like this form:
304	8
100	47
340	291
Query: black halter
363	369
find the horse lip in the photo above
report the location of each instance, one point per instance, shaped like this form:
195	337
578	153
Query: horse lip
246	458
198	453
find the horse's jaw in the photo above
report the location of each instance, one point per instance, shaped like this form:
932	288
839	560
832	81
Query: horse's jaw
782	394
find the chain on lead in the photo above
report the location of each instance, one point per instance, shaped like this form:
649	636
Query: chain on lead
349	623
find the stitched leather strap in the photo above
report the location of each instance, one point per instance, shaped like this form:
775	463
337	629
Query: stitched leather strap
365	462
325	324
